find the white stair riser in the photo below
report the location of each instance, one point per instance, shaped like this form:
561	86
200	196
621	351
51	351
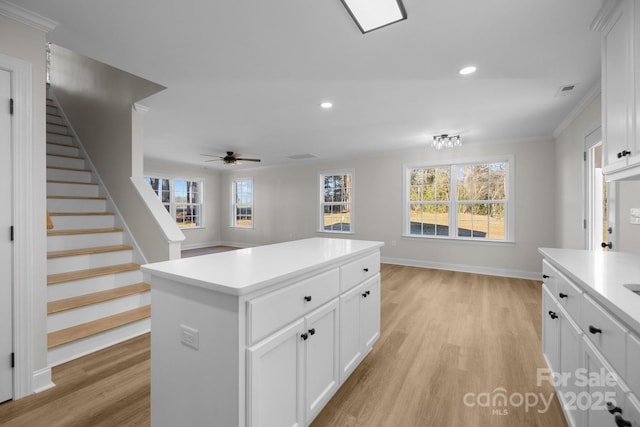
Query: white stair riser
83	262
51	109
81	241
57	127
67	352
69	318
95	284
65	162
54	137
62	149
64	189
66	175
54	119
76	205
82	221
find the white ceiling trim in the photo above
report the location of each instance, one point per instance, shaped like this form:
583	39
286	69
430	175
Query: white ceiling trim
584	103
27	17
603	17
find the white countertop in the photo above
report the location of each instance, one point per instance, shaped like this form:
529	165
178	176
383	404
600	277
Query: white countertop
602	276
247	270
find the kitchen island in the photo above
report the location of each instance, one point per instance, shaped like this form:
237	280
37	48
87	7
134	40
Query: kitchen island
261	336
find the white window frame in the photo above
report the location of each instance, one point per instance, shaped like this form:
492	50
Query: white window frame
234	205
172	198
510	213
322	203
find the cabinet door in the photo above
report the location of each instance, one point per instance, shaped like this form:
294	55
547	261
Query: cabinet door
550	330
321	358
275	379
617	92
350	341
602	386
370	313
570	362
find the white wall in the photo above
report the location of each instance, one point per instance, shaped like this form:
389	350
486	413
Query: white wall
199	237
286	204
28	44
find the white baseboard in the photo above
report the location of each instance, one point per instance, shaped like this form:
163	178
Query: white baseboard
42	380
517	274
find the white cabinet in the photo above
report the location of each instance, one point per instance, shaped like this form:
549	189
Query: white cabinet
359	323
550	331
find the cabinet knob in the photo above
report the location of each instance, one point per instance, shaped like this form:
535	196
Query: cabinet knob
613	409
304	336
621	422
553	315
594	330
364	294
366	270
307	298
606	245
312	331
561	295
545	276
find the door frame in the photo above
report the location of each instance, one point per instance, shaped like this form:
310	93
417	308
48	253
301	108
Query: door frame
23	220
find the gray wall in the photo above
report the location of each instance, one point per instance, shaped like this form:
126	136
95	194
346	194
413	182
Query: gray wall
286	204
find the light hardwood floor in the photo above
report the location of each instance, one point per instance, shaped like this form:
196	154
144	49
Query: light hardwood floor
444	335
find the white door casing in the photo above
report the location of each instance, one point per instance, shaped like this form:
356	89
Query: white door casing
6	246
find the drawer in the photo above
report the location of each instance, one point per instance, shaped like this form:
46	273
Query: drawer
633	365
272	311
570	297
609	336
549	277
359	270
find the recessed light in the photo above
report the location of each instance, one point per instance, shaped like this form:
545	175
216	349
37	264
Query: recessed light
326	105
468	70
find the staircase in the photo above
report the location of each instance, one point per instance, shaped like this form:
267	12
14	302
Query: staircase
96	297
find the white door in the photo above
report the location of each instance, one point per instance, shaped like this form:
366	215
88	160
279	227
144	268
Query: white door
6	253
350	341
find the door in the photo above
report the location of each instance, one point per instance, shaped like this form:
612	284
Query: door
599	196
321	364
550	331
350	341
6	252
275	379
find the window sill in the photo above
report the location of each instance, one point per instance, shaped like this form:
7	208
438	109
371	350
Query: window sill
461	240
335	232
192	228
235	227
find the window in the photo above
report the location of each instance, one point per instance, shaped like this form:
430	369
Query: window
181	198
336	201
460	201
242	206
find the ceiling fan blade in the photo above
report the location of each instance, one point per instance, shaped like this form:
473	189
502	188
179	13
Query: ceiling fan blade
248	160
212	160
210	155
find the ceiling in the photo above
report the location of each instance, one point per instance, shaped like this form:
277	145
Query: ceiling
249	75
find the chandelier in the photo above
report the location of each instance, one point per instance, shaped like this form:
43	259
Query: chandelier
446	141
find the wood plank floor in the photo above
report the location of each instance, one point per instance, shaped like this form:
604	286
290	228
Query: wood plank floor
444	335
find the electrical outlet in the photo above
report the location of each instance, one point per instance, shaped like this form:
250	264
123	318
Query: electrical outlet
635	215
189	337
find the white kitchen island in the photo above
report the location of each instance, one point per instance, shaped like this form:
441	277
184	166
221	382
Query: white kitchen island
260	336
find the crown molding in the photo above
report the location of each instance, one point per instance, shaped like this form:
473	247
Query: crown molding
582	105
603	16
140	108
32	19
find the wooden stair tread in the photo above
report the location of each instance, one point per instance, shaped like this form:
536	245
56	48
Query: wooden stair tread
57	124
55	181
53	279
68	169
84	330
78	197
66	156
88	251
79	213
62	144
53	132
73	232
96	297
53	114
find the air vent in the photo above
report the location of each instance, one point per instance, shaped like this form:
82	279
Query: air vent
302	156
566	90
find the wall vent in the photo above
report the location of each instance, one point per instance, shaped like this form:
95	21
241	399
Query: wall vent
566	90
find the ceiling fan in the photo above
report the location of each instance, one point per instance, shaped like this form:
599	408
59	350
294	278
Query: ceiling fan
230	159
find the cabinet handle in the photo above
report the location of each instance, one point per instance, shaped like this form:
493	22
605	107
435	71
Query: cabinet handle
368	292
312	331
594	330
544	276
307	298
561	295
364	295
553	315
621	422
366	270
304	336
624	153
612	408
606	245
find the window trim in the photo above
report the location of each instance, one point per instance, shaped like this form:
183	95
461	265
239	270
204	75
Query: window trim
453	203
320	198
234	182
172	202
